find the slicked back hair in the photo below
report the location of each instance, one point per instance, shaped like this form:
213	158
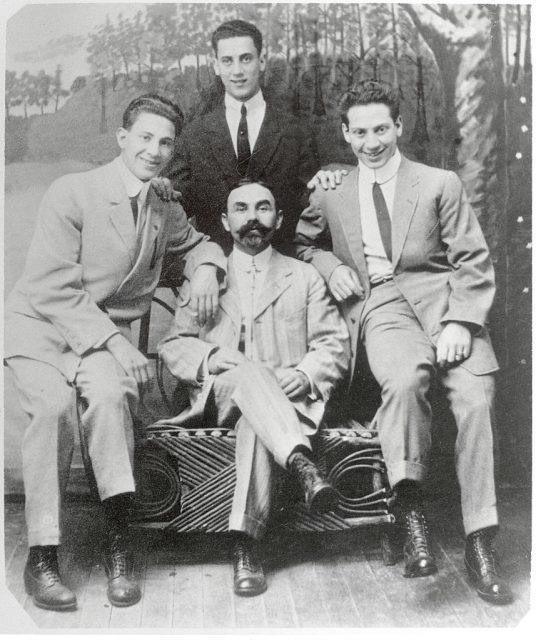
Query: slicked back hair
370	92
237	29
153	103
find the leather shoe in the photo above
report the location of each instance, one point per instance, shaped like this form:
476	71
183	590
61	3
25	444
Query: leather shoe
43	582
482	568
249	577
123	590
320	496
418	556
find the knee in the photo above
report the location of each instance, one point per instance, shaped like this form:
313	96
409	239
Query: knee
408	381
57	407
108	394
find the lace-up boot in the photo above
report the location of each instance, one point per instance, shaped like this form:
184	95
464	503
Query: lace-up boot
418	556
320	496
42	580
123	590
249	577
483	570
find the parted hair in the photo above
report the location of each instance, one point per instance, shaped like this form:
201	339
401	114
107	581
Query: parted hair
237	29
370	92
153	103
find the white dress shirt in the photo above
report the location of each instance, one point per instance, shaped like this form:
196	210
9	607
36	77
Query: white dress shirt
256	108
378	265
135	188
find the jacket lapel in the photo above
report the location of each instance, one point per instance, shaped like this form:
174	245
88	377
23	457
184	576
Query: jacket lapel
221	143
350	217
266	144
230	300
276	281
120	212
155	212
406	197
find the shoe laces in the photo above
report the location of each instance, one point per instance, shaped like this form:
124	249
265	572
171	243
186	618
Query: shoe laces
417	531
118	555
47	562
485	554
246	558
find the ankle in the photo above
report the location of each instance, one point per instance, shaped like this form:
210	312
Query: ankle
409	495
117	512
299	451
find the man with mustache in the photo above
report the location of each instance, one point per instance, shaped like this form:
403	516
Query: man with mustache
92	268
267	365
402	252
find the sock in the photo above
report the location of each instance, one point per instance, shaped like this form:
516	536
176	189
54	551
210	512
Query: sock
116	510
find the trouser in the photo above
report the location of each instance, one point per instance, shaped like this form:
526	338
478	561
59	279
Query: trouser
403	361
267	429
109	397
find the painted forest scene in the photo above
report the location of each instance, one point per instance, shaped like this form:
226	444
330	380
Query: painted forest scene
464	73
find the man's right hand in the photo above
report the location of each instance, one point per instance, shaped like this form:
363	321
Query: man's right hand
224	359
344	283
164	190
133	361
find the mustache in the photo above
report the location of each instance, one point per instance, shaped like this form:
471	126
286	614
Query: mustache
254	225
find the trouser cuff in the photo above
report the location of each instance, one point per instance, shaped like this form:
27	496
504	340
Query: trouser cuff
480	520
247	524
39	538
405	471
115	486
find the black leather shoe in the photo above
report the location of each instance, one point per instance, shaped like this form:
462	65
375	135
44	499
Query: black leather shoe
320	496
42	581
482	568
249	577
418	556
123	590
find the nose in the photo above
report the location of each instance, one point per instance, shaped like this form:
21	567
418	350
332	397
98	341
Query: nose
371	141
153	147
236	68
251	214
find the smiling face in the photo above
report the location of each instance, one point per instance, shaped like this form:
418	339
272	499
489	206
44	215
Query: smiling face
147	146
239	66
252	217
372	133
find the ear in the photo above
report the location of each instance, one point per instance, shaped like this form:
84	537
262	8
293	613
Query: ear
345	132
279	219
262	61
398	125
121	136
215	64
225	222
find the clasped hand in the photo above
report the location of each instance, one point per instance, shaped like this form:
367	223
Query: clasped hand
344	283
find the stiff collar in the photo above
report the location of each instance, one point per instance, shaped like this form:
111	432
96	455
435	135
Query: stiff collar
383	174
134	186
254	103
242	261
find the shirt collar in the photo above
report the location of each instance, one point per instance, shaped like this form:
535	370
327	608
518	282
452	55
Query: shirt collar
242	261
254	103
133	186
383	174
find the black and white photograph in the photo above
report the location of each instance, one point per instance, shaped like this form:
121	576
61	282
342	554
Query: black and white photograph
267	317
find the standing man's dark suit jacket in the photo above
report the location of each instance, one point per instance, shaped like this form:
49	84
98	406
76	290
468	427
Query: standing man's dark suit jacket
204	169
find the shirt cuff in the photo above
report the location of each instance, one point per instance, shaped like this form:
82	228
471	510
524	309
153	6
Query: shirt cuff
313	393
100	343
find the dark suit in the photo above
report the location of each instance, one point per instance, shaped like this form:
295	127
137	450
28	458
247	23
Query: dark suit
442	273
204	169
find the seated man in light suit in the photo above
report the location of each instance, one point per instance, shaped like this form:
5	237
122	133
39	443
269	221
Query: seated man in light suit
267	364
402	252
92	268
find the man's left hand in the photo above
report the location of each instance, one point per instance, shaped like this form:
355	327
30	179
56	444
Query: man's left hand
327	179
204	292
164	190
454	344
295	384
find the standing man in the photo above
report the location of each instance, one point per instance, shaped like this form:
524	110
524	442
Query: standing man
266	365
92	267
404	255
244	136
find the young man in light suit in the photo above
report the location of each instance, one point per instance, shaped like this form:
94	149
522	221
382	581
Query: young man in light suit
402	252
92	268
245	135
267	364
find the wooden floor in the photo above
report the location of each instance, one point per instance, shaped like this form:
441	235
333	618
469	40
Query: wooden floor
328	580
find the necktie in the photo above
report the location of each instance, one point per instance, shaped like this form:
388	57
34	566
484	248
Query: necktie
134	205
246	330
242	142
384	221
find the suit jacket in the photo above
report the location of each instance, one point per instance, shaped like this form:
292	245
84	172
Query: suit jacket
85	274
204	169
441	261
295	325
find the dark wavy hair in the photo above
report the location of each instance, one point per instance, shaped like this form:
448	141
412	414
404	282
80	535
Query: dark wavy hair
153	103
370	92
237	29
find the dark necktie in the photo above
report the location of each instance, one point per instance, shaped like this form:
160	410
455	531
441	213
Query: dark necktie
384	221
242	143
134	205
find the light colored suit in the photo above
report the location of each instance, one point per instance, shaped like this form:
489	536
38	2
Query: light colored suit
86	276
442	272
295	326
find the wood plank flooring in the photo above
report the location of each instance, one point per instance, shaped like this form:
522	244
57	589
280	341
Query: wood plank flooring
314	580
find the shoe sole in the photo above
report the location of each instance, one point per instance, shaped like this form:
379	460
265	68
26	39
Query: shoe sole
473	579
118	603
43	605
326	499
423	573
251	593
